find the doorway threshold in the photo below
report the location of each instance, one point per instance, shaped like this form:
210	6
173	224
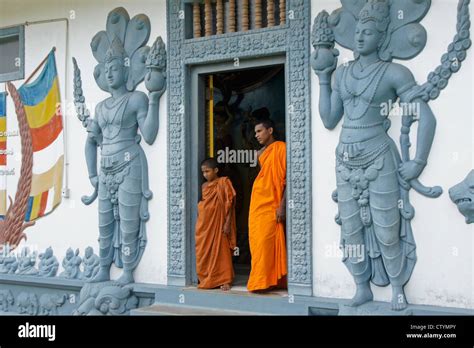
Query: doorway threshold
239	287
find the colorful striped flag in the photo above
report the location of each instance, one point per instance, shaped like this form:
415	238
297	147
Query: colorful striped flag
42	103
3	156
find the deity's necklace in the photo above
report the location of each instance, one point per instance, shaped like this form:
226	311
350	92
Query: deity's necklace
379	73
364	88
113	107
376	65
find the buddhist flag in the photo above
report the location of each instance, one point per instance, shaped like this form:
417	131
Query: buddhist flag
42	100
3	156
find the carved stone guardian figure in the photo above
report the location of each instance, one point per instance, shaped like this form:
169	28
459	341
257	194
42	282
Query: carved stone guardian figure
121	182
373	177
462	195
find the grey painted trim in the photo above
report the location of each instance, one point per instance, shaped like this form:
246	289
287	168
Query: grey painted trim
175	280
292	41
247	63
141	289
300	289
13	31
42	282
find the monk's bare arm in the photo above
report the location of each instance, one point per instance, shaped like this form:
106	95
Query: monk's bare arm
259	153
281	211
203	186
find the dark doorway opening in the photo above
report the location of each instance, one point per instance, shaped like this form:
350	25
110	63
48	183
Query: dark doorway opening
230	105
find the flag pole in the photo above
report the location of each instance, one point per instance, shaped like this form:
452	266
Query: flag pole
39	66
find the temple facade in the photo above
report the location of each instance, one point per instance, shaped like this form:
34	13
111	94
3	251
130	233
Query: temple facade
246	55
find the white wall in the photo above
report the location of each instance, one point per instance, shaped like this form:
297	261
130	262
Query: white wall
444	272
72	223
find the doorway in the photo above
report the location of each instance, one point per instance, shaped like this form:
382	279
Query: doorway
287	44
228	103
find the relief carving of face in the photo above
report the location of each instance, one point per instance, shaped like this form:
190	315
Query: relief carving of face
367	38
115	73
462	195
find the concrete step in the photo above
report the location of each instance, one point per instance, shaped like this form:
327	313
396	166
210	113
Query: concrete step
234	301
175	310
174	300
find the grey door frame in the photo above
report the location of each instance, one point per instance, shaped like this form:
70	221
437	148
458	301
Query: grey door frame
197	110
184	57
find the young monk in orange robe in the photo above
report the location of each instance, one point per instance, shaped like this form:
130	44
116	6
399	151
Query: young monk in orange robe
267	213
215	230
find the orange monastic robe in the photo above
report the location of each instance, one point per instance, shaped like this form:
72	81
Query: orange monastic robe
213	248
266	236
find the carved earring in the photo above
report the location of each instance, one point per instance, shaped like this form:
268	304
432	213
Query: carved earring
126	74
382	41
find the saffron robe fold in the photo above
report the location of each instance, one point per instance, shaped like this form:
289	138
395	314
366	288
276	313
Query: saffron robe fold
214	248
266	236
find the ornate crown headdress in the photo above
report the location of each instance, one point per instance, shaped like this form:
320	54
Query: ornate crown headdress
377	11
115	51
405	36
124	38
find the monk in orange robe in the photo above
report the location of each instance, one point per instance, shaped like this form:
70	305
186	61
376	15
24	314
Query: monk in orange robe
215	230
267	213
